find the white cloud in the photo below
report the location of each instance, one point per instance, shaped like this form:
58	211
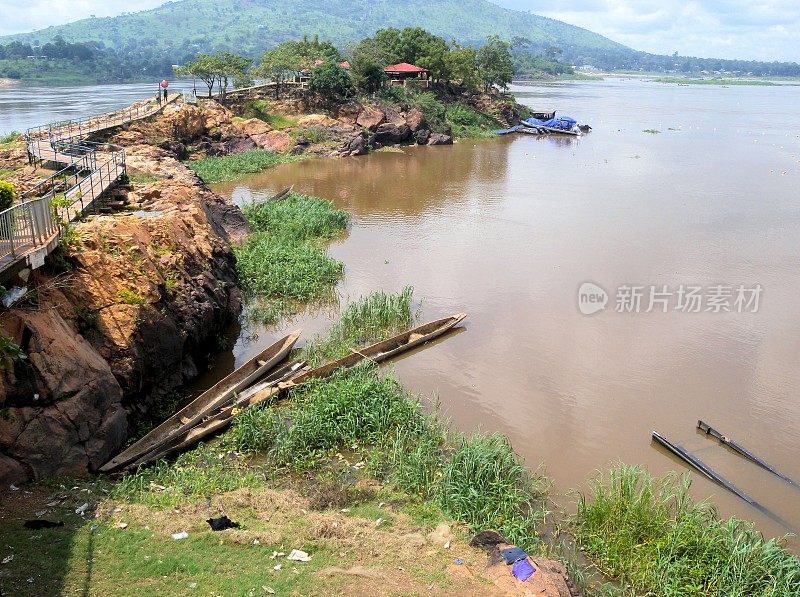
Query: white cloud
747	29
20	16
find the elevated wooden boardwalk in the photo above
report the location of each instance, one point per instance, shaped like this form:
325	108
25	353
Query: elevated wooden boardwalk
30	230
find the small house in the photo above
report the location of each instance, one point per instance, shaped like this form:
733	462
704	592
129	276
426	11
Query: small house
407	75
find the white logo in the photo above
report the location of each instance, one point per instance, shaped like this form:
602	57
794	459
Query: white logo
591	298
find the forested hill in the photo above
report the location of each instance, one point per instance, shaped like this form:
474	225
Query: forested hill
178	29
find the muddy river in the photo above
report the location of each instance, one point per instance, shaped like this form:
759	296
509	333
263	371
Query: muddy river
701	216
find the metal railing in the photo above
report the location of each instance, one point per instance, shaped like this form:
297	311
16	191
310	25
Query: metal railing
27	225
90	169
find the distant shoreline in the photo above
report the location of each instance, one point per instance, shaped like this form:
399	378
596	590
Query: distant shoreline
7	83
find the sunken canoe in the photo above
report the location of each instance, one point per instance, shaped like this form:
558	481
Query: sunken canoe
218	394
378	352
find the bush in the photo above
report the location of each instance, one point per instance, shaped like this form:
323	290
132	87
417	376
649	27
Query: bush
7	194
10	137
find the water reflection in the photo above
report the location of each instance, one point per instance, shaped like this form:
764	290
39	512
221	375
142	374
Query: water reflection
416	179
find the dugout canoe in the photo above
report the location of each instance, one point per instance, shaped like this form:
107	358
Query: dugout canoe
218	394
378	352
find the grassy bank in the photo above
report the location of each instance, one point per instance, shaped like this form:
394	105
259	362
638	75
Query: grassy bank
649	534
231	167
283	262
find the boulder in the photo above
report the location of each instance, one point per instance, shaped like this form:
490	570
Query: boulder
237	145
257	130
371	118
421	136
392	133
176	148
277	141
316	120
356	146
254	126
347	112
73	419
415	120
440	139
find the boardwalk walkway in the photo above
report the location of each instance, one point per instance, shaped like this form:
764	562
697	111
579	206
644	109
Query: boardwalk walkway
30	230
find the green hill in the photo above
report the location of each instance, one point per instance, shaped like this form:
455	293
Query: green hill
178	29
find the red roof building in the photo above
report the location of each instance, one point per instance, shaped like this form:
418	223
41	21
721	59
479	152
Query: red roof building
406	74
404	68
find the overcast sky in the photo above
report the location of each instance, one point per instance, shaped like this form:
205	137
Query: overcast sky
750	29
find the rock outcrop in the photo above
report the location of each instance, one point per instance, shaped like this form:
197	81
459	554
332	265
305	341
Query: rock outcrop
130	312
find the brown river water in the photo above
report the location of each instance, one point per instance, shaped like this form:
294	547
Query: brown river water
508	229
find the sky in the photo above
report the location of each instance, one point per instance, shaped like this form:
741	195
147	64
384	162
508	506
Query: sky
748	29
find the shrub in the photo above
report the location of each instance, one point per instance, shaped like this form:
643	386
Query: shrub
7	194
10	352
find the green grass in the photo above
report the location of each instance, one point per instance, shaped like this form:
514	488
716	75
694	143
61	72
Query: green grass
282	264
467	123
130	297
260	109
485	484
10	138
201	473
142	178
231	167
649	534
92	557
478	480
315	134
352	407
299	217
285	270
370	319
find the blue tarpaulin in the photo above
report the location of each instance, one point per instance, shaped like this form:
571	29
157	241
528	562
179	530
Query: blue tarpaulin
565	123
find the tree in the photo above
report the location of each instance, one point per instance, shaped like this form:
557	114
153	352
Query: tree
311	51
462	64
281	63
205	67
412	44
330	81
367	74
494	63
231	66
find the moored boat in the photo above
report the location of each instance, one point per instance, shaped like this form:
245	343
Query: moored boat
218	394
378	352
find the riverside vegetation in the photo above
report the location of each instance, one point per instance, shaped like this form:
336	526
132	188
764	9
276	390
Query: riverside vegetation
350	469
354	464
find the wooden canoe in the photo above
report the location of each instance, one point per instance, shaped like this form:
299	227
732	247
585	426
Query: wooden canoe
282	195
377	353
186	437
218	394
